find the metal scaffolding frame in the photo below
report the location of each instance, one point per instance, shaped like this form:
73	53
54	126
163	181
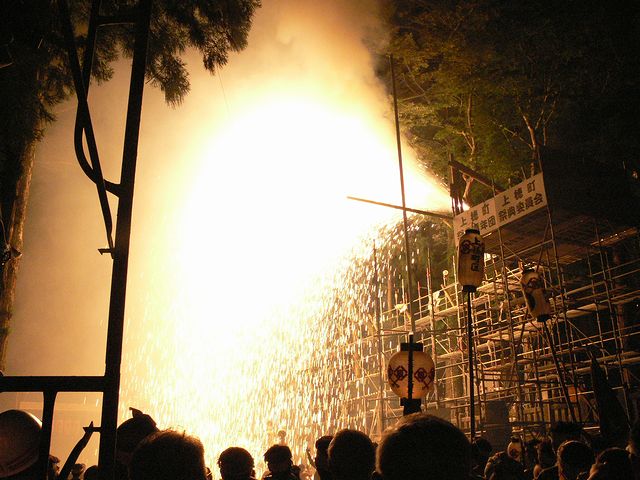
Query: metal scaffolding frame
591	269
139	18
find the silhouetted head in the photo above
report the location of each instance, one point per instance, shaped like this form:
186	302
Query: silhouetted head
19	444
503	466
574	458
515	449
131	432
531	453
634	439
236	463
92	473
322	457
351	456
421	446
480	453
546	455
168	455
601	471
564	431
618	462
278	458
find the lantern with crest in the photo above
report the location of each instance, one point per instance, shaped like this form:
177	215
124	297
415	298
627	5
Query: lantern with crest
422	370
470	260
535	294
470	276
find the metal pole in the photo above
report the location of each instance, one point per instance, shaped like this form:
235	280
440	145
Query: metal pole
472	407
536	374
121	254
559	372
507	295
381	385
404	211
615	328
567	327
411	404
434	351
49	401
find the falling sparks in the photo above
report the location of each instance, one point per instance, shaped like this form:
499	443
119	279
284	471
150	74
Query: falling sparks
253	323
251	277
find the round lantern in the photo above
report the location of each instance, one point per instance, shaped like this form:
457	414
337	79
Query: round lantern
470	260
535	295
424	371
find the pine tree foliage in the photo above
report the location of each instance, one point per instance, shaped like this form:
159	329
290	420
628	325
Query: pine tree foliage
35	77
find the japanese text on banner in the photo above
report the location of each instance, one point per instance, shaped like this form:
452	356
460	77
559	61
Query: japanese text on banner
512	204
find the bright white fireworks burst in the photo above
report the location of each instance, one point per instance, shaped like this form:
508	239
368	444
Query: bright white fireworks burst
259	292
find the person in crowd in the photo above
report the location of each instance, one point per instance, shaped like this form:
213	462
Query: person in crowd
129	434
546	457
279	462
306	471
601	471
564	431
168	455
480	452
561	432
236	463
598	443
352	456
618	463
633	447
573	459
424	447
502	466
92	473
321	460
530	457
20	447
515	449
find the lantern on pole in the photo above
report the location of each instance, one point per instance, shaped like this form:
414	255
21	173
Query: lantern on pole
410	373
535	294
470	275
470	260
537	301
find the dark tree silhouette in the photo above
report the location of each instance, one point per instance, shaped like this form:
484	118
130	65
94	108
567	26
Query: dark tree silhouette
495	81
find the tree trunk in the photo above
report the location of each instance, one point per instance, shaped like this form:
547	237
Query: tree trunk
535	148
15	232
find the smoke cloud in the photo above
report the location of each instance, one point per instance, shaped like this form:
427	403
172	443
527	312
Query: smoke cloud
238	191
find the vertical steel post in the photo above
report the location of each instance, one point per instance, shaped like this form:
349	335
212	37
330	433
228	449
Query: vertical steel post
615	328
559	372
49	401
380	354
411	404
507	295
434	351
567	327
121	254
472	406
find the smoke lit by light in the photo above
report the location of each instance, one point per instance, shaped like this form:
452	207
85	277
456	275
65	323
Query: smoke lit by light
249	266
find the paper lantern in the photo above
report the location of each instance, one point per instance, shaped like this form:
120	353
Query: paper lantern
535	295
424	371
470	260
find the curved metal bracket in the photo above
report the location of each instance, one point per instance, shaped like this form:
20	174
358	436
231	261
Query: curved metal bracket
94	172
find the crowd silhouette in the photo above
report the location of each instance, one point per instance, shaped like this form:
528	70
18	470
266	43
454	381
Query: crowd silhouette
419	446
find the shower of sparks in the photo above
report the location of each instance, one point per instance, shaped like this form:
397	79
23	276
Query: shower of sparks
253	317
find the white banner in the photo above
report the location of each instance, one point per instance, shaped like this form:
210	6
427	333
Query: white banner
512	204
